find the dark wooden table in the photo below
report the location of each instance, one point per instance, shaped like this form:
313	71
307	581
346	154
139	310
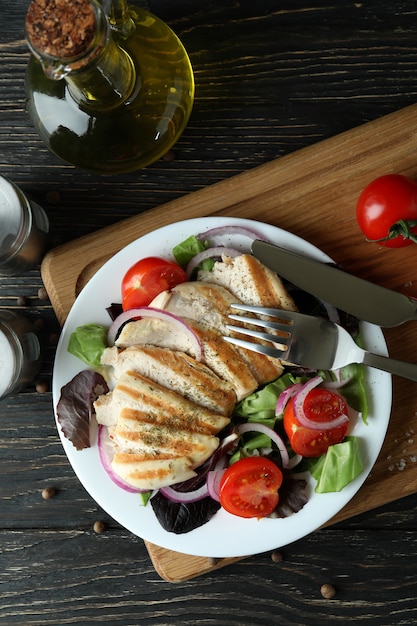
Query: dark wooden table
272	77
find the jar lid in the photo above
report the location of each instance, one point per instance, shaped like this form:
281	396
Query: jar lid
11	216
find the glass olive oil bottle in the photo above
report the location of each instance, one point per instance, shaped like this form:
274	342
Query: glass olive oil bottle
108	93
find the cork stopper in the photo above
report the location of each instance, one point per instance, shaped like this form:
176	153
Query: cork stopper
63	29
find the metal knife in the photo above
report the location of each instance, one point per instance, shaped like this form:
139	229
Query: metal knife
365	300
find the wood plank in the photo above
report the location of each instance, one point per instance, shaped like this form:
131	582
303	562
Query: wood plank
75	576
311	193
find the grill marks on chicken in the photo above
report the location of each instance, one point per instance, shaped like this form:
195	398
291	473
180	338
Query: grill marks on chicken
143	472
225	360
151	425
221	357
209	305
166	408
174	370
250	281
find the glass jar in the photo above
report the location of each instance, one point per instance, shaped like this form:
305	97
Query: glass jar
23	230
121	99
20	353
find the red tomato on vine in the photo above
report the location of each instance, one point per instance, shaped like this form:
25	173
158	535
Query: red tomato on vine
386	211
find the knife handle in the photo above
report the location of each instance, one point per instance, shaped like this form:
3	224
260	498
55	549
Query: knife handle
399	368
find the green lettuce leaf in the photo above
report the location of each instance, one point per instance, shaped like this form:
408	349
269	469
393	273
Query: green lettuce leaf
260	405
355	389
186	250
341	464
88	342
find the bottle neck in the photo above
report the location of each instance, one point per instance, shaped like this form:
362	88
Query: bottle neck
102	75
106	83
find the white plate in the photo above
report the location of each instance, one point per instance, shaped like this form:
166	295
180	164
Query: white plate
224	535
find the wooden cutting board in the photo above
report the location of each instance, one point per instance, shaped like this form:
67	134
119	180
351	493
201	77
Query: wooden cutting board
311	193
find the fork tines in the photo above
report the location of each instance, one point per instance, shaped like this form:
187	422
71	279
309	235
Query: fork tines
261	310
279	338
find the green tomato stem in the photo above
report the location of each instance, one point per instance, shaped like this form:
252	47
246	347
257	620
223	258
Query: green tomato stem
402	228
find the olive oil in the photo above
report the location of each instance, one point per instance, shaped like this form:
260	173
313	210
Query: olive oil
124	110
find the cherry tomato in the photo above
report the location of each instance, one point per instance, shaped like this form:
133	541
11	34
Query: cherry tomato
320	405
249	487
386	211
147	278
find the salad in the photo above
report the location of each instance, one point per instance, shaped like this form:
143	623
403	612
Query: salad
296	424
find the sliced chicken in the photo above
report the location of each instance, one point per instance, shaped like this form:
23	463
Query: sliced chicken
177	371
157	405
205	303
159	437
226	360
250	281
134	434
146	471
221	357
209	304
156	332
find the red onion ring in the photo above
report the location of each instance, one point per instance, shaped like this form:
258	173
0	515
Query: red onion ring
185	496
269	432
227	446
214	478
285	396
134	314
302	417
209	254
105	452
232	229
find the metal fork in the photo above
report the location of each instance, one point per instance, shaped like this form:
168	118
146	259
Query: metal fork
312	342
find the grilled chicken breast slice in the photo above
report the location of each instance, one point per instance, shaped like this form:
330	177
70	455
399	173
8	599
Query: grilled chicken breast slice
249	280
205	303
157	405
155	332
159	437
145	471
177	371
226	360
132	433
221	357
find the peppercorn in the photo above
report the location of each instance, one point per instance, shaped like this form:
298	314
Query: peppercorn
48	493
276	556
99	527
42	386
327	591
42	293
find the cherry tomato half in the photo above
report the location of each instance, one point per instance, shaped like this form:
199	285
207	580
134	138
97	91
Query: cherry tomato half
147	278
249	487
386	211
320	405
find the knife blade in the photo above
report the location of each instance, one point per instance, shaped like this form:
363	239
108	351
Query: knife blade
359	297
